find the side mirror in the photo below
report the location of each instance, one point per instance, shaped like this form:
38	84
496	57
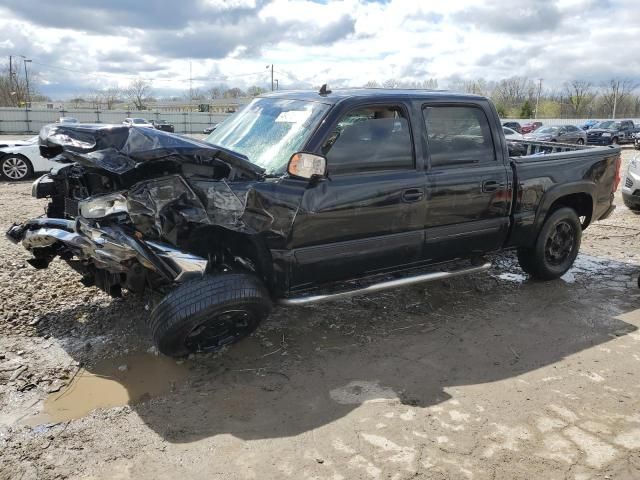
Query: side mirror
307	165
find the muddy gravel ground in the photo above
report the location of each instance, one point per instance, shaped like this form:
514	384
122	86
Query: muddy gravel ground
489	376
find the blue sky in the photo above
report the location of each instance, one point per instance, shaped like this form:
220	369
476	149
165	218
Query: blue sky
83	45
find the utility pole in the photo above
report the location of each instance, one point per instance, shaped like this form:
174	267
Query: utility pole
538	97
271	66
26	79
615	100
10	74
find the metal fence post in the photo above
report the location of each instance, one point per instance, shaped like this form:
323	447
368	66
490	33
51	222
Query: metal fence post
26	119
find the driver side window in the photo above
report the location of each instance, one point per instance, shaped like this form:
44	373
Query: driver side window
370	139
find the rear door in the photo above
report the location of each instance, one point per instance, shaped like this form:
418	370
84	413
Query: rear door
368	215
468	184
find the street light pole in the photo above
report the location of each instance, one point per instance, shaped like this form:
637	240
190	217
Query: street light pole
538	97
271	66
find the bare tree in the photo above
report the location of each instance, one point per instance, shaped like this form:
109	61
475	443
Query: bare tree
391	83
111	96
138	93
431	83
371	84
94	97
580	94
195	94
77	101
255	91
234	93
217	91
514	91
615	92
636	105
13	88
475	86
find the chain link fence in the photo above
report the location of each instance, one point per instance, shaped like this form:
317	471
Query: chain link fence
25	121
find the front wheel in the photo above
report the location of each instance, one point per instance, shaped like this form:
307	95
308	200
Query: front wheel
580	141
556	248
206	314
15	168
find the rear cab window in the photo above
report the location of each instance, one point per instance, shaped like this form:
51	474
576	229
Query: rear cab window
458	135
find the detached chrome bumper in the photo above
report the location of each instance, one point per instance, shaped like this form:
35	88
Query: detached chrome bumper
109	248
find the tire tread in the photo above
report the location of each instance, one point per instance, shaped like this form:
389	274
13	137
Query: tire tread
197	298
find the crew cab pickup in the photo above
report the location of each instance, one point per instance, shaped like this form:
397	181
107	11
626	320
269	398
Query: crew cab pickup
611	132
308	196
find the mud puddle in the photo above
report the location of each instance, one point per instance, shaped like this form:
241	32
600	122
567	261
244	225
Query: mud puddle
111	383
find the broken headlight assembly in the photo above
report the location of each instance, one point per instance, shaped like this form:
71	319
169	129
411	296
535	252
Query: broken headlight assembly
103	205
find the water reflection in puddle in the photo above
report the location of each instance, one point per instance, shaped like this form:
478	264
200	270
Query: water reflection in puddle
111	383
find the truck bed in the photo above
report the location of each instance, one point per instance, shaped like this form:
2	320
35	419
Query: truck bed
545	171
520	150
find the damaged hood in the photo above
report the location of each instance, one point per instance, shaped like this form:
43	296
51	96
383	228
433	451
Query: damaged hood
119	149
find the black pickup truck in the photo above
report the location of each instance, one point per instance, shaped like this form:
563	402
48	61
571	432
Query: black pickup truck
612	132
308	196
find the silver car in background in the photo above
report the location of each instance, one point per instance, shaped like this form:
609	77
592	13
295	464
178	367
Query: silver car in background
137	122
631	185
559	133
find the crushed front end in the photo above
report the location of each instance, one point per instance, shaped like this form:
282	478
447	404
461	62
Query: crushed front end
125	202
111	257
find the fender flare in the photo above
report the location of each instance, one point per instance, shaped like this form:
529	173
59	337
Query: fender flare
555	193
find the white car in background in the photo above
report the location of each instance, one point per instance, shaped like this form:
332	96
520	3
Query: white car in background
67	120
16	142
137	122
20	159
511	134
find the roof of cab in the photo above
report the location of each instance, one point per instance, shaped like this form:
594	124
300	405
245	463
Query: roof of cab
337	95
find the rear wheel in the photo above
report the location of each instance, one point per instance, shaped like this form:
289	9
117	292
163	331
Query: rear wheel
580	141
205	315
15	168
556	247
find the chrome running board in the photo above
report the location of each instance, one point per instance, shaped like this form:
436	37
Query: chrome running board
376	287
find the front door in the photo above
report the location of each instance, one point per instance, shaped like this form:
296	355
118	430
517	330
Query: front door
368	215
469	187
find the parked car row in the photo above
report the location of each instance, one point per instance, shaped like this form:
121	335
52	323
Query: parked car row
561	133
592	132
522	129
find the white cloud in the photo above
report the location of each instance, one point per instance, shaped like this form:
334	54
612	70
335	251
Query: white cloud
347	42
